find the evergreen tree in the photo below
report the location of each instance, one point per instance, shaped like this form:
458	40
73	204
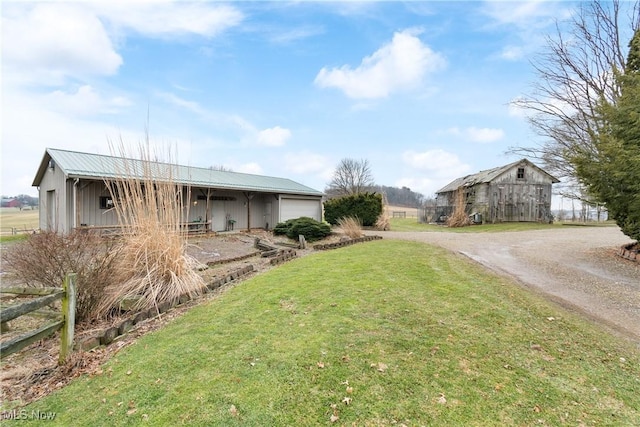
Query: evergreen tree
611	172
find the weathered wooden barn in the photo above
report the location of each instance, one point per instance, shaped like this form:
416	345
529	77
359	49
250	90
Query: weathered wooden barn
73	193
519	191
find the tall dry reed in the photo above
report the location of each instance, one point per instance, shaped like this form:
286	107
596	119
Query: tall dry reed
459	217
350	226
154	266
383	222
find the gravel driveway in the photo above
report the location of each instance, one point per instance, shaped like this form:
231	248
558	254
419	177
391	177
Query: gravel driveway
573	265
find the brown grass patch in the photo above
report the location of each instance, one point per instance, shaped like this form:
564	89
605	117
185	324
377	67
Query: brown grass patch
350	226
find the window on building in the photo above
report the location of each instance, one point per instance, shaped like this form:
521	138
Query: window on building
520	173
106	202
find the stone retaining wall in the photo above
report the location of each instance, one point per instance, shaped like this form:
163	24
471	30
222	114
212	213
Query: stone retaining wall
627	252
345	243
228	260
107	336
284	256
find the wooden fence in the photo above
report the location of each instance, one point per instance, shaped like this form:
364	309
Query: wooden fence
46	296
13	231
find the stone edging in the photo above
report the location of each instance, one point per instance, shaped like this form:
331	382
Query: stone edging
284	256
228	260
346	243
107	336
627	253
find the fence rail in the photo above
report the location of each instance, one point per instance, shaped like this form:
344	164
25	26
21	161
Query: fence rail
67	294
13	231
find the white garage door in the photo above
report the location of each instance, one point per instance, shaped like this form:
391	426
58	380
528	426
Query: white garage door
295	208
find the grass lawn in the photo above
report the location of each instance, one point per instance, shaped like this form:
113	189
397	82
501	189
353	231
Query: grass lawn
377	334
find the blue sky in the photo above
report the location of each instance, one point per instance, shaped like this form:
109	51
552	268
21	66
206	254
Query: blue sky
422	90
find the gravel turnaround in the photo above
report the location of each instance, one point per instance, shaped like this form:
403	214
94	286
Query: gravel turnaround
575	266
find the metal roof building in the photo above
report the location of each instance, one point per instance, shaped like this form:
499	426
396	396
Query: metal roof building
73	192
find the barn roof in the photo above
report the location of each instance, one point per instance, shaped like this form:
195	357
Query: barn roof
487	176
96	166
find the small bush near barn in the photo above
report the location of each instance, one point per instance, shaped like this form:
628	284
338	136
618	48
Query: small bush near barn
310	228
44	259
365	206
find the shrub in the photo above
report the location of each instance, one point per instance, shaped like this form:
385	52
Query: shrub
310	228
43	260
282	228
365	206
351	227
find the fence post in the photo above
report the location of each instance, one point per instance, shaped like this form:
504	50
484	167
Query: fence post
68	316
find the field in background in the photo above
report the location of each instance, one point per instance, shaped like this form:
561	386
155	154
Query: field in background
13	220
401	212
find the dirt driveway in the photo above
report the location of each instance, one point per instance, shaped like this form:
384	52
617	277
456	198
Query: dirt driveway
574	265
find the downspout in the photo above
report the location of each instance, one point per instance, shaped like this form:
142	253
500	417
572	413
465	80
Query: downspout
75	203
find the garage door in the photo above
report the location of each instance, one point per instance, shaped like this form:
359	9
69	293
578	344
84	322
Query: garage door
295	208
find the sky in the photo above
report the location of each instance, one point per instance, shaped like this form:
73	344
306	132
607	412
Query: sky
421	90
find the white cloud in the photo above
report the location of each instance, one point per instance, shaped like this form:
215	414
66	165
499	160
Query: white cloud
274	137
437	161
251	167
286	36
214	118
516	110
306	162
529	21
427	187
49	42
398	65
84	101
484	135
480	135
437	167
46	43
512	53
527	14
169	18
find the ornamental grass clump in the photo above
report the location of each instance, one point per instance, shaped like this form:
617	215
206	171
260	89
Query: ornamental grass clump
383	221
350	226
153	266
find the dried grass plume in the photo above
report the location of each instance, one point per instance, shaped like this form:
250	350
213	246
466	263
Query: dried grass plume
153	266
350	226
459	217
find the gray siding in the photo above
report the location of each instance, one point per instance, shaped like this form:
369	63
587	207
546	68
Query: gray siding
53	201
507	197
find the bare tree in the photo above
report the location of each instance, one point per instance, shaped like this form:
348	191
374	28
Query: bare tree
221	168
351	177
574	73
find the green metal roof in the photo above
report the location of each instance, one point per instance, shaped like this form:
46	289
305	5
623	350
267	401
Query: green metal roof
85	165
486	176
